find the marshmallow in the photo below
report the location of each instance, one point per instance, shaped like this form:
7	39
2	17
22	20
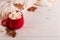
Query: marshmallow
15	15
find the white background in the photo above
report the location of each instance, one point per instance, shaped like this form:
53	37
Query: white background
43	24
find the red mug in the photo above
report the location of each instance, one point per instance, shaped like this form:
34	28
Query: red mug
13	24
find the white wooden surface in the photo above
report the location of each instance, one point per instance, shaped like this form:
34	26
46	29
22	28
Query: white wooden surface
43	24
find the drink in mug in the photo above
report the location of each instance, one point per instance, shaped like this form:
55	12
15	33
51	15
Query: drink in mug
15	20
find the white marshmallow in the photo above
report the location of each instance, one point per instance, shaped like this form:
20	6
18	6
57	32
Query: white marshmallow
15	15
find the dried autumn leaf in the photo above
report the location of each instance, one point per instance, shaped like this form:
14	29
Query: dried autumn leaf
0	15
32	9
11	32
19	6
38	3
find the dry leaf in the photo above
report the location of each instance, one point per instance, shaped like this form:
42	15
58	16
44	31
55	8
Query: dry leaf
32	9
0	15
11	32
19	6
38	3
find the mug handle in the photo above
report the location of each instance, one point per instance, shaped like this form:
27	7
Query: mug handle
4	22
